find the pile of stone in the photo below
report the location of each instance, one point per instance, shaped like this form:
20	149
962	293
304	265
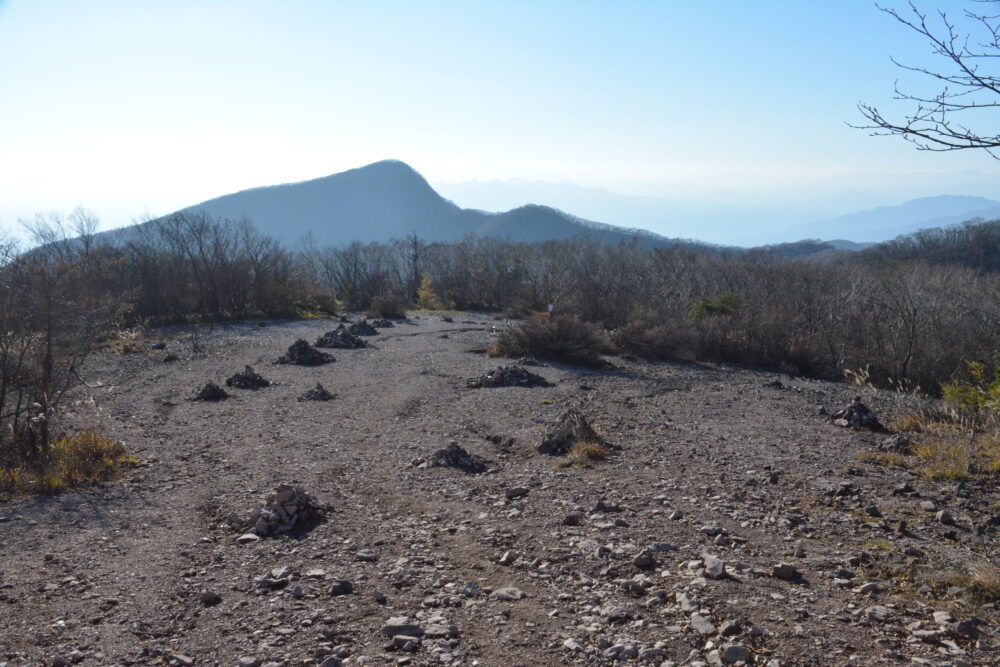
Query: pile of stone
248	379
287	508
508	376
362	328
210	392
382	323
454	456
857	416
340	338
317	393
571	428
303	354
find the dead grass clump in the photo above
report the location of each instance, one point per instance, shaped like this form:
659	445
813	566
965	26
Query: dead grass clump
564	338
78	460
981	581
893	459
944	458
583	455
390	306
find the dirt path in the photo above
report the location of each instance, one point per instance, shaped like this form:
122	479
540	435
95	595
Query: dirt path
733	463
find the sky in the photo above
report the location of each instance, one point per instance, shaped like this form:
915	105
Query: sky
134	108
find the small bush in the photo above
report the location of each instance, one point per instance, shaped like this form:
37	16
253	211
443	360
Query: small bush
727	304
389	306
82	459
563	338
426	298
658	341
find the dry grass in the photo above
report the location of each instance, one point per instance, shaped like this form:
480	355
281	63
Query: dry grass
82	459
583	455
982	580
944	458
884	458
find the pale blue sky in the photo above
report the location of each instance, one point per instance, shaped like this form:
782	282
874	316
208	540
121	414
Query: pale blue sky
130	107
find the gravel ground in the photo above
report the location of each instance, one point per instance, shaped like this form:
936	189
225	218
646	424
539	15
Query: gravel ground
735	524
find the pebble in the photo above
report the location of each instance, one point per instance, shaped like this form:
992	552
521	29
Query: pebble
714	567
508	594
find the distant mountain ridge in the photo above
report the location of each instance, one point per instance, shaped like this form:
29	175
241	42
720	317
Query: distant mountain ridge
389	199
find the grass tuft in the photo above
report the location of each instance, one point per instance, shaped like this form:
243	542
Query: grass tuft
78	460
583	455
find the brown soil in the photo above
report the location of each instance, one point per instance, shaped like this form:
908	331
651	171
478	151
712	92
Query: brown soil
713	461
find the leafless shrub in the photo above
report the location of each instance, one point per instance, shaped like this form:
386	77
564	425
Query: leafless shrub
564	338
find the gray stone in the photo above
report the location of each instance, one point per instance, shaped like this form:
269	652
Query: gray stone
508	558
247	538
401	625
878	613
784	571
945	517
209	598
702	625
714	567
928	506
943	617
341	587
508	594
515	492
732	653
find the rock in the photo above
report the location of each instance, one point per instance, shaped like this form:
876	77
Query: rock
676	515
945	517
401	625
515	492
331	662
247	538
645	560
366	555
897	443
508	558
964	629
785	571
857	416
574	519
182	660
210	598
878	613
943	617
733	653
247	661
714	567
303	354
687	602
158	346
702	625
873	510
508	376
570	428
454	456
573	645
341	587
508	594
730	628
928	506
315	573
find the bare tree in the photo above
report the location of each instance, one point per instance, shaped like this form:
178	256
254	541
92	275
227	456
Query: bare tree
947	120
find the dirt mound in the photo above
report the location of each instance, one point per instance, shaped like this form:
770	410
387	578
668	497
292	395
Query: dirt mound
248	379
454	456
508	376
362	328
287	508
857	416
340	338
303	354
317	393
382	323
210	392
571	428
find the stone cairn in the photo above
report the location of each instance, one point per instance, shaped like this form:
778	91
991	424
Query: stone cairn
248	379
287	508
454	456
571	428
317	393
303	354
340	338
508	376
210	392
362	328
857	416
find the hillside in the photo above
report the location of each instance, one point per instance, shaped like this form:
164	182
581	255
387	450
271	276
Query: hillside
388	200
